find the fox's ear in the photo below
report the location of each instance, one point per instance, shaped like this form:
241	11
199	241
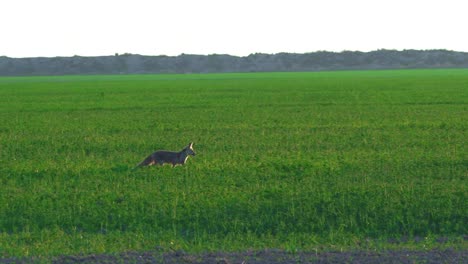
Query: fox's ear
190	145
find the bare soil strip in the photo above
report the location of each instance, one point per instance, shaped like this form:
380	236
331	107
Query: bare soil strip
266	256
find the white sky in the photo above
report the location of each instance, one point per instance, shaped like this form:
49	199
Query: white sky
31	28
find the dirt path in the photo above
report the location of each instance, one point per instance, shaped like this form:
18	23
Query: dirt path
268	256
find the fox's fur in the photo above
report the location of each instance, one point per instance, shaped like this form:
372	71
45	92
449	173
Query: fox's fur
162	156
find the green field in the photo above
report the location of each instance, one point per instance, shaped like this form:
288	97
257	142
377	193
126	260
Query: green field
297	161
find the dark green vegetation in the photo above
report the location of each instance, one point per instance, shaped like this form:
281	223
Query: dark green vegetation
284	160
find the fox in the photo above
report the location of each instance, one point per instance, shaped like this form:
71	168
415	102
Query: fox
163	156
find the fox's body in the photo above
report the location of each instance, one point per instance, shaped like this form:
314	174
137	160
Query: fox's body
162	156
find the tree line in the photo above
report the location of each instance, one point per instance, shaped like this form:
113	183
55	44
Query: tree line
218	63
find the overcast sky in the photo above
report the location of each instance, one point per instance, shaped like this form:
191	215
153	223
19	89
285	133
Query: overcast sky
31	28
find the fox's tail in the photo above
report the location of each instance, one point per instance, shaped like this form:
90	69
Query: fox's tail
138	165
147	161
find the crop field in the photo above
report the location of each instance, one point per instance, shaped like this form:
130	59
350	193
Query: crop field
293	161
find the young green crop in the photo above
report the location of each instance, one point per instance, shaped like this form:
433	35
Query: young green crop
284	160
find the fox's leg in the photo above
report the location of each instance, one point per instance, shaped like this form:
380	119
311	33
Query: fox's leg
177	164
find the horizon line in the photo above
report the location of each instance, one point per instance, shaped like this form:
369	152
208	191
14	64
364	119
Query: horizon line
239	56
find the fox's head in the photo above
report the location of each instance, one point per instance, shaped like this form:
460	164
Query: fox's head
189	149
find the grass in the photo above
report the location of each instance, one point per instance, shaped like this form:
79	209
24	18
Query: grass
297	161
